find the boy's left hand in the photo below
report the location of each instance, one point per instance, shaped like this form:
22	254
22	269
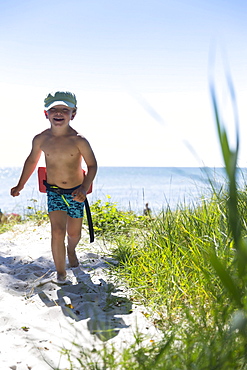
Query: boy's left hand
79	194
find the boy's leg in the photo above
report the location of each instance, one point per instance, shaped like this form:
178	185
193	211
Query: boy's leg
58	221
74	234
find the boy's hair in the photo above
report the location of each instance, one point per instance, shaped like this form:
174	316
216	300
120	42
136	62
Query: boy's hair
60	98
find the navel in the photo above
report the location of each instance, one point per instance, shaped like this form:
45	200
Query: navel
64	182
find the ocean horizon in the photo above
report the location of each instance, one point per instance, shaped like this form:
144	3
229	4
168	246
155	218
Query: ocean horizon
130	187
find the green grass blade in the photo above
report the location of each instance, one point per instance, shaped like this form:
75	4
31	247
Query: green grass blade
226	280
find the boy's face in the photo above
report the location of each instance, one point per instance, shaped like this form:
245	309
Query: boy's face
60	115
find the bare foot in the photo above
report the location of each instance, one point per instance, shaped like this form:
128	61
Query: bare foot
61	277
73	260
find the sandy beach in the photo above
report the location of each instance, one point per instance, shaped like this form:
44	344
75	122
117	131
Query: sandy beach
39	318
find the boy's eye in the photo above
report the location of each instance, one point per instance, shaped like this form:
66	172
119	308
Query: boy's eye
54	110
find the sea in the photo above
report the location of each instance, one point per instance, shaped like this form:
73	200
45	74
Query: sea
131	188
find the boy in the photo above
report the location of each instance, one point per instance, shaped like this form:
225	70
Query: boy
64	149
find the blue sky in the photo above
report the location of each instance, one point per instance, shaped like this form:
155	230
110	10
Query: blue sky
139	68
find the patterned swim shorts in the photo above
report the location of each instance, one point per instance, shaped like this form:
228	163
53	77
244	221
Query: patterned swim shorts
65	202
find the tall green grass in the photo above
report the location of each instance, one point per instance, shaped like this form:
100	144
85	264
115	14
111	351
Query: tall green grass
172	265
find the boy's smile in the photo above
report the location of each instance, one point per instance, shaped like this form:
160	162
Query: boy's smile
60	114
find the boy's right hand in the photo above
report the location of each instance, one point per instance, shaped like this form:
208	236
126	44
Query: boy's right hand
15	191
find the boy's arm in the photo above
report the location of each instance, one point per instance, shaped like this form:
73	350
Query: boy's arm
90	160
28	168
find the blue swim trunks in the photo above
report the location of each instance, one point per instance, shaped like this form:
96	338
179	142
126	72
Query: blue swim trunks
65	202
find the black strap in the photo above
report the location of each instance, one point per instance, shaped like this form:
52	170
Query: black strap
89	220
60	191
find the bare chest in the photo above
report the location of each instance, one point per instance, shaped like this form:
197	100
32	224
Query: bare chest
55	148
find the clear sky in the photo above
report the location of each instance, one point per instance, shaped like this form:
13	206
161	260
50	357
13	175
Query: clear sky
139	69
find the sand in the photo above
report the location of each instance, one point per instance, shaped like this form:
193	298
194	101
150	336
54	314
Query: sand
40	318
